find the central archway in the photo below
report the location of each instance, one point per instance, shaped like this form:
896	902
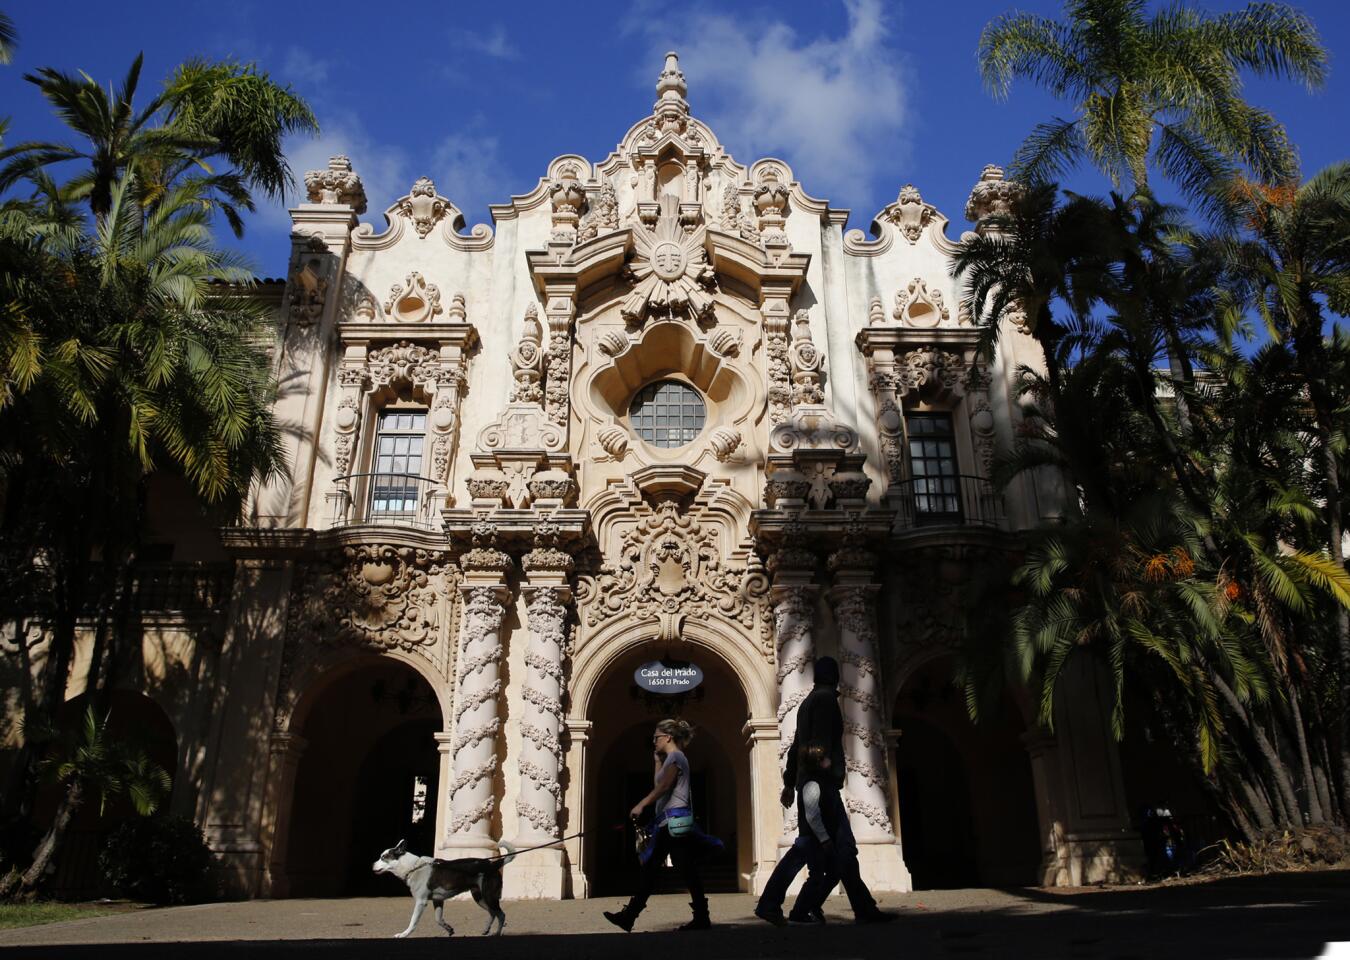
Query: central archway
619	769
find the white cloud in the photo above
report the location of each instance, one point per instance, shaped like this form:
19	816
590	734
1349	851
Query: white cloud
384	169
469	170
493	44
832	107
302	67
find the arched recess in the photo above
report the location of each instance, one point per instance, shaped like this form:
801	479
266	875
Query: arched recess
619	767
363	742
134	720
966	793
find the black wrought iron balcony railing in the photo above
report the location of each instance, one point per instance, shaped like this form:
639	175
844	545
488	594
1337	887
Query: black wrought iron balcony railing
182	585
959	500
394	499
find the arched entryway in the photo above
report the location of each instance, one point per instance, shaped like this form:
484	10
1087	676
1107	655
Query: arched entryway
967	799
619	770
367	778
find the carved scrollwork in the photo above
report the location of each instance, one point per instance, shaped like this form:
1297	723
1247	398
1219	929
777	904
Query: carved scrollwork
422	206
670	567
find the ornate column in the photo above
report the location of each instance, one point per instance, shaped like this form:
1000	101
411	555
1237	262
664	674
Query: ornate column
860	694
541	874
794	604
478	688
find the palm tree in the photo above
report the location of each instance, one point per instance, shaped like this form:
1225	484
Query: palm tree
145	363
1164	89
89	763
9	37
1293	266
205	111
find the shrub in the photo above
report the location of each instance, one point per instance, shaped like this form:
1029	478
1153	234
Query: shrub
159	859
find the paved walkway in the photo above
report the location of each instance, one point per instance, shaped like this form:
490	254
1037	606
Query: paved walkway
1282	916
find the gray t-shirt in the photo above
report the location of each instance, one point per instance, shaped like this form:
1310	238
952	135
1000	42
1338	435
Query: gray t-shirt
678	795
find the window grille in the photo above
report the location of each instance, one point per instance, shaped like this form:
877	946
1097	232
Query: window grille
394	489
668	413
932	465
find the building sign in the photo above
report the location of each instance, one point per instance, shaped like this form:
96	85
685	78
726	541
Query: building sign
668	677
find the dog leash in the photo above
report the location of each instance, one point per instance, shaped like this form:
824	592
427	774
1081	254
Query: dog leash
541	846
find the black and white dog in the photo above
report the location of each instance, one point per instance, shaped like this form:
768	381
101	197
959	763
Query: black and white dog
434	881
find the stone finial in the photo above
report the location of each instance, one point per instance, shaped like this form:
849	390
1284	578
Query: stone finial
336	185
671	108
992	196
527	360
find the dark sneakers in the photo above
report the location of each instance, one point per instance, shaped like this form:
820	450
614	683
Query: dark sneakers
811	917
771	916
621	919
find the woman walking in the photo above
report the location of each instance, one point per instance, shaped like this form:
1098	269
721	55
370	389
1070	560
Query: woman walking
672	830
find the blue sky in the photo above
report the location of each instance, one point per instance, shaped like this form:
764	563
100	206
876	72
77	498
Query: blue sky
860	97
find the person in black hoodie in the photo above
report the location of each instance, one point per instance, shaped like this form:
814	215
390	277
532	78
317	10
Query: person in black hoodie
820	722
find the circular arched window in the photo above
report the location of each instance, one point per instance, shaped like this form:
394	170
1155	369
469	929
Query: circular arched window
667	413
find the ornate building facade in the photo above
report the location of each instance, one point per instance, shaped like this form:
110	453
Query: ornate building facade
666	408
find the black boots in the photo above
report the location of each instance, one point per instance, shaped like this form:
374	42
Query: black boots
700	921
625	918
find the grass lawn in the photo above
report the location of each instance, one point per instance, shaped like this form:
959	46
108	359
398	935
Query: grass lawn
32	914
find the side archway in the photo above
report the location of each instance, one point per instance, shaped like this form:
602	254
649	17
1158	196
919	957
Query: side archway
363	746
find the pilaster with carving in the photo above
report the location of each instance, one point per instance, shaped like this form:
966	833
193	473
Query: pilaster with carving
478	688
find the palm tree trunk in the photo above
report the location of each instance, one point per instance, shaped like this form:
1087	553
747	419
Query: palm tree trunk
1284	788
1310	352
36	875
1314	802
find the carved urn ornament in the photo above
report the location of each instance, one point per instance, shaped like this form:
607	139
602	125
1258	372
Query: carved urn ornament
992	197
336	185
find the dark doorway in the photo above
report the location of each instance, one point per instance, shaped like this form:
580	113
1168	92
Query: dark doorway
368	777
967	799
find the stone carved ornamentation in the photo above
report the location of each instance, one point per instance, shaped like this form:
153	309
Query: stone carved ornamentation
992	196
724	441
669	271
336	185
613	439
876	313
414	300
910	214
793	613
671	112
527	361
309	292
566	195
779	368
372	596
477	722
930	366
602	215
859	693
725	343
403	361
670	567
422	206
917	306
770	203
558	363
734	219
541	723
807	362
612	343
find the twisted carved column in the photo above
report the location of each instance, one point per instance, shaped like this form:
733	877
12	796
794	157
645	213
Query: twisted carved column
794	604
477	691
860	696
541	719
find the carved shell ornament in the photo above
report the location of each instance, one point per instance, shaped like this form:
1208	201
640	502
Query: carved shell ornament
669	270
